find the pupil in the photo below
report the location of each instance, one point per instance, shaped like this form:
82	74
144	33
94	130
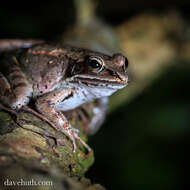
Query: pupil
94	64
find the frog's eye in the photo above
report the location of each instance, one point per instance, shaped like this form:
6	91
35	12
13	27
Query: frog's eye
95	64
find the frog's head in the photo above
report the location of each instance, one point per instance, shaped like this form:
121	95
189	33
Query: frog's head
101	71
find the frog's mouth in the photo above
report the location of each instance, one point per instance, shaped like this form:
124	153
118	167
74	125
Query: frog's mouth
99	82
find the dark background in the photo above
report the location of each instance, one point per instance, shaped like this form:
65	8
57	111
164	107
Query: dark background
48	19
144	144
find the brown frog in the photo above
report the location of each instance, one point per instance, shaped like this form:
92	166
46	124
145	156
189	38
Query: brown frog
59	78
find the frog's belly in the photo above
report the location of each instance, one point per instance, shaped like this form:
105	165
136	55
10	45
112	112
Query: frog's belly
82	95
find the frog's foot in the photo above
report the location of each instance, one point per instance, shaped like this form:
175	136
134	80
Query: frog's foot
74	129
26	108
73	134
2	107
70	131
83	143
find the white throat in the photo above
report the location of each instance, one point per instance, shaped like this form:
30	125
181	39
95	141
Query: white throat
84	94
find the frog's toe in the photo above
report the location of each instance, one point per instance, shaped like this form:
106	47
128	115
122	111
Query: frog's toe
75	130
73	134
74	146
82	142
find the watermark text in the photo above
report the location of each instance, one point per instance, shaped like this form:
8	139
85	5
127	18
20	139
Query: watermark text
22	182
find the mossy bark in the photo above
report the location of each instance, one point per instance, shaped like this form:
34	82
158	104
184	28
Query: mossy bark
30	149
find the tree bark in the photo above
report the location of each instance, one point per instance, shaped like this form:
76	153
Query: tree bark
32	152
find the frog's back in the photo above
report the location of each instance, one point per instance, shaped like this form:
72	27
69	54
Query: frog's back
43	68
8	61
10	50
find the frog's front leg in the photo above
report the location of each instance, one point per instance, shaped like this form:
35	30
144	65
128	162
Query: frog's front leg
47	106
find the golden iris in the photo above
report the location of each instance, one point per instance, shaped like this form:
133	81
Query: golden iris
95	64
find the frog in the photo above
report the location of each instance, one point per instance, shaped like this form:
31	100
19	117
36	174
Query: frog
58	78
